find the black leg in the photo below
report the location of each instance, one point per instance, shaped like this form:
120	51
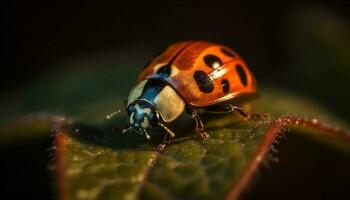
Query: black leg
166	141
199	124
230	108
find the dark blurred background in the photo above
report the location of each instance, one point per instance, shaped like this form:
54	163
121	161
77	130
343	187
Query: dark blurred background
302	46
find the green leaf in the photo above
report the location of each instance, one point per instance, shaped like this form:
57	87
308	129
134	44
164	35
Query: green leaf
103	164
94	160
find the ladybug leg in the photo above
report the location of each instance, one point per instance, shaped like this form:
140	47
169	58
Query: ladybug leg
199	125
247	115
168	136
166	141
230	108
170	132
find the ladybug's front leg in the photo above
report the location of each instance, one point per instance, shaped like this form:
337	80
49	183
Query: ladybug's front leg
169	134
199	124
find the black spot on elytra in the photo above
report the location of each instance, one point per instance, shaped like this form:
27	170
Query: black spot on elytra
205	84
210	60
227	52
225	85
242	75
164	71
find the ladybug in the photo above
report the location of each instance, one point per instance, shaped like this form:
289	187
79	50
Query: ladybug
188	77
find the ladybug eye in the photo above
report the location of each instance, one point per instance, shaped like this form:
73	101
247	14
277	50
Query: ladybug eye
152	117
129	109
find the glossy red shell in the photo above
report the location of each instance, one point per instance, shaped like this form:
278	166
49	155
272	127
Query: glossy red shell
229	80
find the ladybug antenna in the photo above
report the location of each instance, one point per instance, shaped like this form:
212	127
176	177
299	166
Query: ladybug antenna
172	134
110	115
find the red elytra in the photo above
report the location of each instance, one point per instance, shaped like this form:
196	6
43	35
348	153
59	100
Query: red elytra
203	73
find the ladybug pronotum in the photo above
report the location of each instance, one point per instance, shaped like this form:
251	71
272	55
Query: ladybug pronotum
187	77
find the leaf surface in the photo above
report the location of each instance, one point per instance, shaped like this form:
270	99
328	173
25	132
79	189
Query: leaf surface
94	160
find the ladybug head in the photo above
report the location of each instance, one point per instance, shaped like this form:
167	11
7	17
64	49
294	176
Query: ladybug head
142	115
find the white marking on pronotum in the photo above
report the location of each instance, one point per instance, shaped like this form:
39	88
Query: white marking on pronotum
136	92
169	104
